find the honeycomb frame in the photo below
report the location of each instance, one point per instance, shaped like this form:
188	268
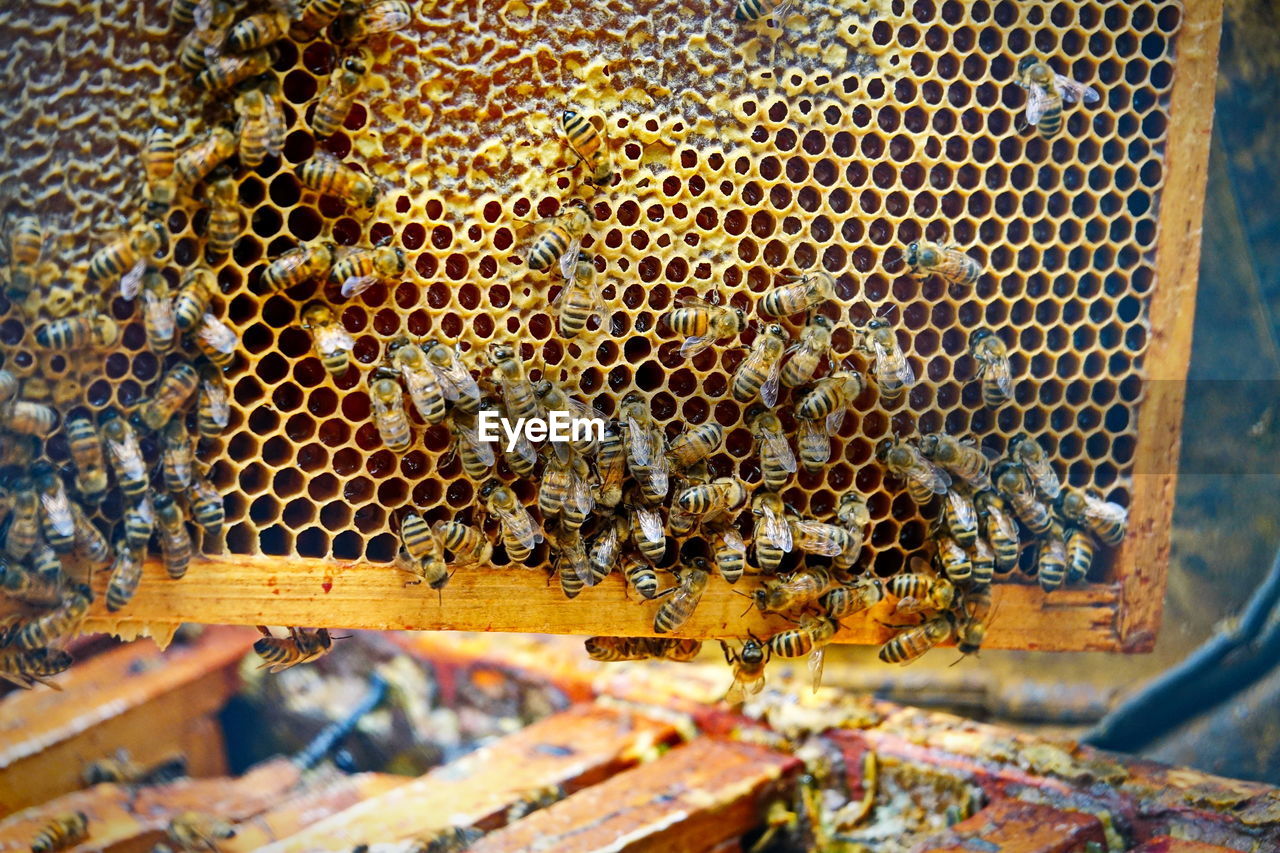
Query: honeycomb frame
270	583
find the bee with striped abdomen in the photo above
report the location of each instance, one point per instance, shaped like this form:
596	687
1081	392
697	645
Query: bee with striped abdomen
194	832
917	591
612	649
607	549
158	318
960	517
195	294
552	399
79	332
959	457
28	667
260	127
777	461
86	452
159	153
332	343
647	532
953	266
216	341
213	405
773	535
572	564
313	17
258	30
825	540
223	227
336	100
994	371
913	641
748	668
729	551
126	257
175	541
892	371
708	500
812	443
57	521
1027	452
611	468
564	486
468	545
684	598
25	244
808	353
124	454
517	391
850	598
327	175
387	400
520	455
646	445
359	269
561	240
203	156
830	398
477	456
30	587
776	595
1079	554
999	529
520	532
139	520
410	362
46	563
203	43
171	396
1047	92
206	505
456	381
24	518
1105	519
126	574
702	323
421	553
589	145
47	628
758	374
750	11
91	547
951	556
1051	558
224	72
923	478
579	299
811	638
975	609
379	16
62	832
983	559
1015	486
27	418
695	444
299	264
806	292
640	576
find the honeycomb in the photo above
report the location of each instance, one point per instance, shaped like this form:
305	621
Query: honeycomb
828	140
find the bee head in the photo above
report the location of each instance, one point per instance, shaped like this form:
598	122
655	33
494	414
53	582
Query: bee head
822	321
1027	62
1071	503
979	335
357	63
913	255
883	448
314	313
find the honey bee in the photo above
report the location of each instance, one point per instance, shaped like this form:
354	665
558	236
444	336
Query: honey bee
750	11
86	452
561	240
983	559
565	487
138	523
1051	559
729	551
850	598
327	175
224	72
27	418
999	529
174	391
332	343
759	372
62	832
694	445
972	629
119	769
960	517
830	398
175	541
748	668
469	545
195	294
853	513
1047	92
424	388
913	641
79	332
203	156
203	43
1105	519
519	531
647	533
258	30
380	16
57	522
552	398
953	266
721	495
572	563
24	520
192	831
280	653
606	549
1015	486
47	565
924	479
26	241
640	576
29	587
125	259
960	458
520	455
816	537
477	456
183	12
456	382
812	443
159	153
260	128
313	17
917	591
702	323
92	548
645	443
580	299
158	320
1079	554
1028	453
994	370
206	507
611	649
892	370
811	638
777	462
389	415
213	407
223	228
776	595
62	621
675	611
953	558
421	553
336	100
124	454
773	534
808	353
611	461
27	668
807	291
126	574
517	391
589	145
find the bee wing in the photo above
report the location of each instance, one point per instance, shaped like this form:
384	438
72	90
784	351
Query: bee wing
778	530
659	480
1073	91
735	695
696	302
581	495
694	345
776	443
936	479
357	285
1037	101
219	402
638	440
334	338
817	659
131	282
483	449
769	390
203	14
128	456
569	259
1105	511
733	539
902	371
1000	373
57	508
908	605
519	526
834	421
650	524
525	450
217	335
159	314
816	539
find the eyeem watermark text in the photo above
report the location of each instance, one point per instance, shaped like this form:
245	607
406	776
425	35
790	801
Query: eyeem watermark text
558	427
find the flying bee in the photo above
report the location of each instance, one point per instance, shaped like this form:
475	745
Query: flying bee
721	495
213	405
812	443
808	353
223	228
47	628
203	43
953	558
172	394
139	520
773	534
572	563
960	517
206	505
1105	519
958	457
1051	559
421	552
552	398
917	591
158	320
607	549
420	380
175	541
611	465
580	298
1015	486
260	127
469	545
62	832
27	668
477	456
830	398
924	479
983	558
57	521
748	668
953	266
124	454
79	332
807	291
913	641
519	531
972	629
994	370
29	587
24	520
158	155
224	72
811	638
332	343
647	533
645	443
702	323
86	451
380	16
1047	92
193	831
125	259
456	381
758	373
299	264
313	17
1079	554
776	595
729	551
589	145
327	175
126	574
27	418
389	415
695	444
561	240
517	391
640	576
675	611
258	30
850	598
892	370
1028	453
999	529
195	294
359	269
777	462
203	156
826	540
